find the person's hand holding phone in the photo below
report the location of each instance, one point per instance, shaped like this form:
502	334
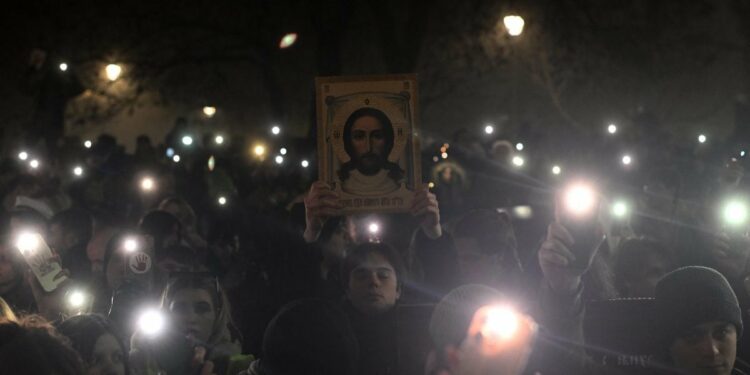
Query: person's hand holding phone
321	203
50	304
573	239
425	207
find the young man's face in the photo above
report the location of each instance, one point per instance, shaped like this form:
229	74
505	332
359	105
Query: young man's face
373	286
709	348
368	141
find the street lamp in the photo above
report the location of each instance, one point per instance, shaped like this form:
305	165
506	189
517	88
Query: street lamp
514	24
113	71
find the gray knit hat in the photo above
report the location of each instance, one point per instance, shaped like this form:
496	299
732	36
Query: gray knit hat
690	296
452	316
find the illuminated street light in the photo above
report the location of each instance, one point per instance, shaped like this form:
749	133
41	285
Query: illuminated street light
275	130
612	129
626	160
702	138
113	71
282	151
518	161
209	111
219	139
23	155
556	170
514	24
305	163
187	140
87	143
489	129
288	40
63	67
519	146
279	159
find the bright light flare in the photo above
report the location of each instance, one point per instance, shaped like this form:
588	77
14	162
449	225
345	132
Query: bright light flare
23	155
518	161
87	143
612	129
78	171
514	24
219	139
500	323
222	201
34	164
556	170
519	146
130	245
627	160
77	299
176	158
63	67
620	209
151	322
305	163
702	138
275	130
187	140
373	228
259	150
147	184
209	111
113	71
444	155
282	151
523	212
489	129
735	213
279	159
28	241
580	199
288	40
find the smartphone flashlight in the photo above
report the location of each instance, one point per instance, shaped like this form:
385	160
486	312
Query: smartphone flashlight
130	244
77	299
735	213
147	184
151	322
620	209
373	228
222	200
28	242
579	199
500	323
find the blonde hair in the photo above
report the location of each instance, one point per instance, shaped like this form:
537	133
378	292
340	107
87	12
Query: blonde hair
6	312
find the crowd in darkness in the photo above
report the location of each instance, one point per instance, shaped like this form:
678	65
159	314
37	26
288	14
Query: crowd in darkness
252	267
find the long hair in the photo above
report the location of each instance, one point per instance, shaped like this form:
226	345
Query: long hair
223	327
394	170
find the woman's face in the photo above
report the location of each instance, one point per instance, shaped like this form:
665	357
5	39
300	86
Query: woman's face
108	357
194	313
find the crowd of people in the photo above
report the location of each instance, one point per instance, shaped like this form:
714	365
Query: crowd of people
212	263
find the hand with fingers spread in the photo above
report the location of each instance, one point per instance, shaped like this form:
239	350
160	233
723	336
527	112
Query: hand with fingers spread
425	207
321	203
559	262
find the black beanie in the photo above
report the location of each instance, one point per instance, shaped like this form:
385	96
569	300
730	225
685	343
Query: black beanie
691	296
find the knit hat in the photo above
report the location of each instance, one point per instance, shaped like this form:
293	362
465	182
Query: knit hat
452	316
691	296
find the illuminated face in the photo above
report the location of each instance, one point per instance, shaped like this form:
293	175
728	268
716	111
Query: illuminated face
194	313
108	357
709	348
373	286
368	143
